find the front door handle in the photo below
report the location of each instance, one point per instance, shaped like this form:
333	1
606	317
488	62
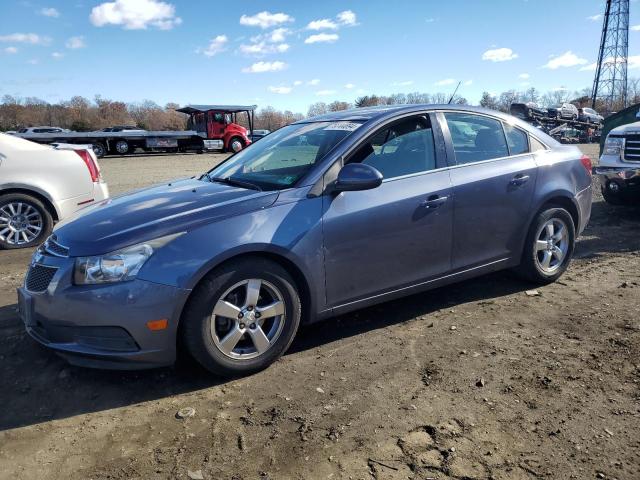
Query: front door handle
434	201
519	180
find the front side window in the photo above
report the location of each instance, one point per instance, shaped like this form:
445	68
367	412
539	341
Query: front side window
281	158
476	138
517	140
404	148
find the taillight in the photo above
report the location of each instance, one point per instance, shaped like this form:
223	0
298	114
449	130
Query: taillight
90	163
586	163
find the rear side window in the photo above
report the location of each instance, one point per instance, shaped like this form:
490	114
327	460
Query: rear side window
516	139
537	145
476	138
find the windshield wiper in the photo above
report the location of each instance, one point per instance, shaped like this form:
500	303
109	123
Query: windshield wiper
234	182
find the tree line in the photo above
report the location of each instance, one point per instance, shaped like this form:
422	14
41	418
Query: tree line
82	114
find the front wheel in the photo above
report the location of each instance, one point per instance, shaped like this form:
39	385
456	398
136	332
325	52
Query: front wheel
613	194
549	246
242	317
236	144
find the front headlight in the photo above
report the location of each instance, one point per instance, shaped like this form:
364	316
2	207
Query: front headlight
118	266
613	146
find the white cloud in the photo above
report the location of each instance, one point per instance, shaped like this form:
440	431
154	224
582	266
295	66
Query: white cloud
524	76
11	50
261	67
594	18
263	48
265	19
322	38
31	38
406	83
446	81
75	43
280	90
633	62
468	83
216	45
278	35
349	86
347	18
49	12
567	59
315	81
57	55
324	93
635	28
135	14
323	24
297	83
499	55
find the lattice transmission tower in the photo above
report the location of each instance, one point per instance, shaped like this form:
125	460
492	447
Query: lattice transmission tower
610	82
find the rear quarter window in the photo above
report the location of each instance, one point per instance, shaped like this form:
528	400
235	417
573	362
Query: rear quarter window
516	139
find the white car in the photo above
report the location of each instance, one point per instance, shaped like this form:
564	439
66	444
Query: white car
42	184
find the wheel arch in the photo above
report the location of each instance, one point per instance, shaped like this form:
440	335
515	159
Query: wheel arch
302	283
36	193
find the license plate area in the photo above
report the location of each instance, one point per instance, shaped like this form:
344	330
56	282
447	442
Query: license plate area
25	308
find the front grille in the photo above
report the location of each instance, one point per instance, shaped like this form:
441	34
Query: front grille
39	277
52	247
632	148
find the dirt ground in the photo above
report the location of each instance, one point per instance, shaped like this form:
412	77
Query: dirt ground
473	381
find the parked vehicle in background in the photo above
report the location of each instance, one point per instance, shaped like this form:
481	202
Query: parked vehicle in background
258	134
219	124
564	110
41	185
10	132
43	130
589	115
123	128
527	111
619	165
321	217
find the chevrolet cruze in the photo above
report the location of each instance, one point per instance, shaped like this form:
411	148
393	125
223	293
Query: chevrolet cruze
321	217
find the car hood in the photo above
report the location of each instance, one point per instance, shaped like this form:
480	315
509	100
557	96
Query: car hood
155	212
629	129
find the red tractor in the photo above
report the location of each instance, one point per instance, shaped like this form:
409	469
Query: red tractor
217	124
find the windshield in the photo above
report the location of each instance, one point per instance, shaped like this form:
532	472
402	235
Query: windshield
280	159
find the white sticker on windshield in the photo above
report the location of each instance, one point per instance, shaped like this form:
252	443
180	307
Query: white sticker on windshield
343	126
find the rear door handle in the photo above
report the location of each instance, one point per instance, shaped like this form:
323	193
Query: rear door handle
518	180
434	201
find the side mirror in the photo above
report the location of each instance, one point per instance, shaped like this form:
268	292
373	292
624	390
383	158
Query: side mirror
357	176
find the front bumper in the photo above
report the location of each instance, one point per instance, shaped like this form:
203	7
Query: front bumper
619	180
103	326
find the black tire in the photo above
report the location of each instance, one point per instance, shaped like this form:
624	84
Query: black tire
121	147
529	268
235	139
45	215
99	149
196	322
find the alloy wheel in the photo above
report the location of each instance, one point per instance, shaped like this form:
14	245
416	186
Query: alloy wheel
552	245
248	319
20	223
236	146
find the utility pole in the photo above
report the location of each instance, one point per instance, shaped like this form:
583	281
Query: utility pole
610	82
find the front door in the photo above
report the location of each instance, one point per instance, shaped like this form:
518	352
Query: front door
398	234
493	176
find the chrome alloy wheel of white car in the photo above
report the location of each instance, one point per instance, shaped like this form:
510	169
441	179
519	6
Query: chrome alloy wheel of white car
248	319
551	245
20	223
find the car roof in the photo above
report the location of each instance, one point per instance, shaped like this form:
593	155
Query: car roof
366	114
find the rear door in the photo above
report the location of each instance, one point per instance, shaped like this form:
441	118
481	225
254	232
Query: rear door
493	177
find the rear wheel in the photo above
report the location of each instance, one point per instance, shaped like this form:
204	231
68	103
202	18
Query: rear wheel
24	221
99	149
122	147
242	317
549	246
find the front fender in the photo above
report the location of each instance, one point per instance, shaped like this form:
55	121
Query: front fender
292	231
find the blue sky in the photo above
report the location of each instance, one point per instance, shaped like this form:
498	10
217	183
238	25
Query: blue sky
289	54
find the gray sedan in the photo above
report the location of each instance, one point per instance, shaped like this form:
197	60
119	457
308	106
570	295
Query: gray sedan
322	217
